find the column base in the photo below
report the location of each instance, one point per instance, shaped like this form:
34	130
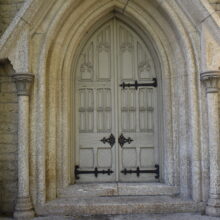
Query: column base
23	209
213	207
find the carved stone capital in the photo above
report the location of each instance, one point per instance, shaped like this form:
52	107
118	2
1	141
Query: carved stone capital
23	83
211	79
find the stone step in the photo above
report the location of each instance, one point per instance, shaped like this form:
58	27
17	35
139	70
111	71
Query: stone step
117	189
115	205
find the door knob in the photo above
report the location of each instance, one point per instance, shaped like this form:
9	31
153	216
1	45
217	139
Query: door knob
110	140
122	140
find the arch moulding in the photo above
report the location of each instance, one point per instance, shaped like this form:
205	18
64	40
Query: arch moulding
54	58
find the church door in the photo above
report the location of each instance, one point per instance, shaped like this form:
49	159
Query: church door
116	108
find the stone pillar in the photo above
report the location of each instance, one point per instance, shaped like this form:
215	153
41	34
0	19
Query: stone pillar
24	208
211	79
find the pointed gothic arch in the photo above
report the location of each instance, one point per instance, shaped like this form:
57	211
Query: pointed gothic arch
56	59
45	39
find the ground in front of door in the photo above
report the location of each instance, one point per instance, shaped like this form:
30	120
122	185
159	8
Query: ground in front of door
177	216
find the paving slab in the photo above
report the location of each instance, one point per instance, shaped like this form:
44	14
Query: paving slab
178	216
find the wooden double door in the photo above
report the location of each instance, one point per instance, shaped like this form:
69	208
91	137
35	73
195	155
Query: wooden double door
116	108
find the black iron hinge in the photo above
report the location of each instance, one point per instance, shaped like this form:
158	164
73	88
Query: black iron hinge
138	171
96	172
136	84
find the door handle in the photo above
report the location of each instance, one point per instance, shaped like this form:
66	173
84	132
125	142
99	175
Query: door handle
122	140
110	140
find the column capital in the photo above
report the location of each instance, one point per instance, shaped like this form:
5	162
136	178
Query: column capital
23	83
211	79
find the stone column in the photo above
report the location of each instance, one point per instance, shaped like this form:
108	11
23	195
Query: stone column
211	79
24	208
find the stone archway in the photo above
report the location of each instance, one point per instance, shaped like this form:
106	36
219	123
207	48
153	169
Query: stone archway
48	35
52	143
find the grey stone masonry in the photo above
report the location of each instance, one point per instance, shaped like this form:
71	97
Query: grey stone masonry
216	5
8	10
8	140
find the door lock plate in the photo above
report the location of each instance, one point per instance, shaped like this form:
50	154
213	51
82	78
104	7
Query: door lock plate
122	140
110	140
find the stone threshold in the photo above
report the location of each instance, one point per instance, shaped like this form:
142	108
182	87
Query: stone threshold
175	216
114	205
117	189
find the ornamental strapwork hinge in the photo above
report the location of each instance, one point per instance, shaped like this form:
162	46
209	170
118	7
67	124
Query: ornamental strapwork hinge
138	171
96	172
136	84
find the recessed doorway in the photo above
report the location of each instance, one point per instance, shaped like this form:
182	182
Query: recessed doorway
116	93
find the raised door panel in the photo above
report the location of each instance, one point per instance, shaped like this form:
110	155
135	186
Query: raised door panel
103	54
145	64
126	53
86	64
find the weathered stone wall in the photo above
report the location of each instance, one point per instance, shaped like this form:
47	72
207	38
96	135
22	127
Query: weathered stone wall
8	111
8	140
216	5
8	10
